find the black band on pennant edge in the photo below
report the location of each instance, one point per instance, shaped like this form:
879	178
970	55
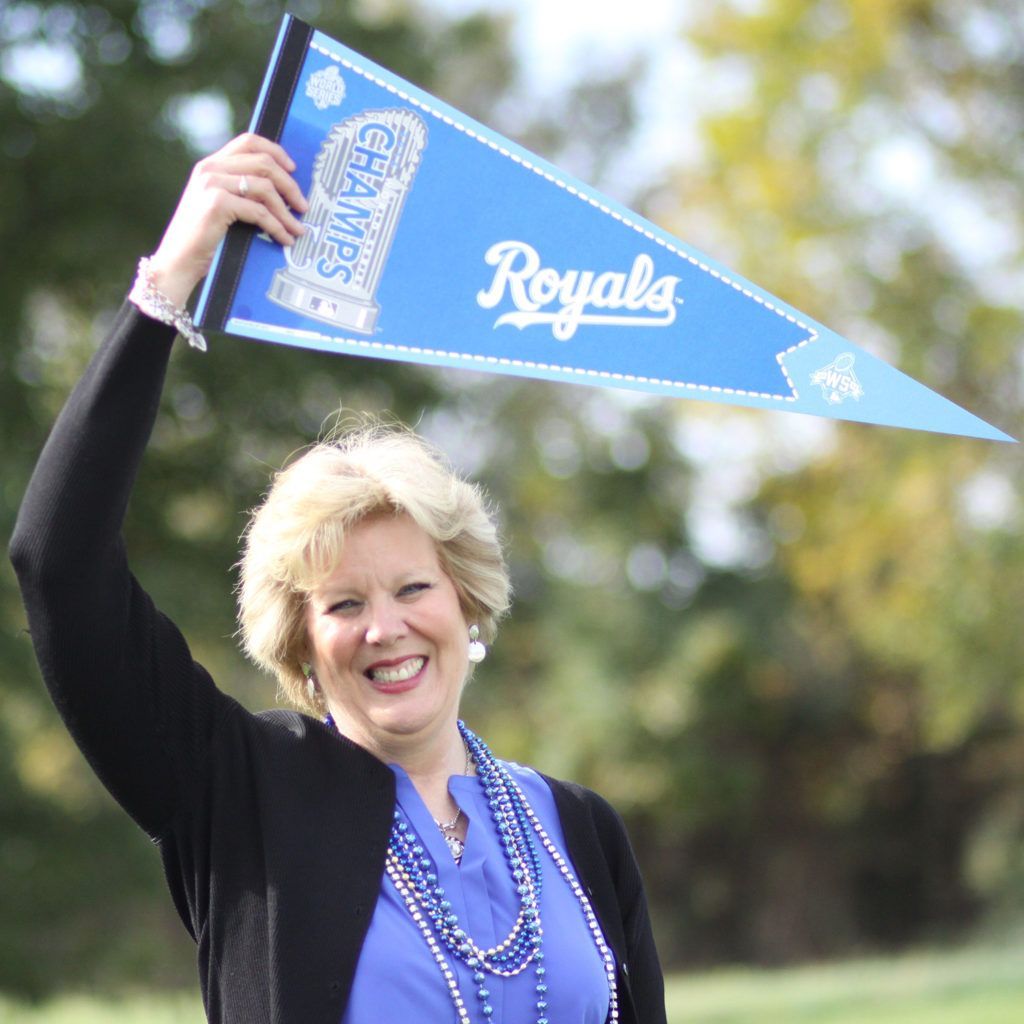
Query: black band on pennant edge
282	80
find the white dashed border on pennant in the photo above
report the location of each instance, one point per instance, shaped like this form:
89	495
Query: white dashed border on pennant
482	360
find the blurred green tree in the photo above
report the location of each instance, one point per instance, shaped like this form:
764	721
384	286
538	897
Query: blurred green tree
863	160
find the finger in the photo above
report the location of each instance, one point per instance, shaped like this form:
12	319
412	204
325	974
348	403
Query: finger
250	142
217	205
251	211
227	208
212	195
262	190
259	165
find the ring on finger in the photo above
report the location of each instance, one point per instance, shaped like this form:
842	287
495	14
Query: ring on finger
243	186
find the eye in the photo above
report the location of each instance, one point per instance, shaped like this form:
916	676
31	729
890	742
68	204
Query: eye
412	589
346	606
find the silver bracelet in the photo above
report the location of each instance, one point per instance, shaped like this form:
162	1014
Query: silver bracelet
154	303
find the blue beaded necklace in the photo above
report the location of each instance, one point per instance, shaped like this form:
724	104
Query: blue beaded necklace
412	873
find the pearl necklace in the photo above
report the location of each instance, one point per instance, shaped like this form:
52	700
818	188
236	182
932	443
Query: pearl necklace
412	873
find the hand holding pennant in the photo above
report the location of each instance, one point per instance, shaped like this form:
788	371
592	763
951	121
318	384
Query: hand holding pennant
432	239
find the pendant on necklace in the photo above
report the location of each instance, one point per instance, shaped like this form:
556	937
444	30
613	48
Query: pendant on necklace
456	845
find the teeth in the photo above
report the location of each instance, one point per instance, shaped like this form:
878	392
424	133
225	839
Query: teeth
399	673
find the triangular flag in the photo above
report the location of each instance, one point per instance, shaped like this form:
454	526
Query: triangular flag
432	239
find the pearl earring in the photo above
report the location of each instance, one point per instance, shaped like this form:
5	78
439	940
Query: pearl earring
477	652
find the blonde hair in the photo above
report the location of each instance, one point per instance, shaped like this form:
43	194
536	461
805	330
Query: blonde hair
295	537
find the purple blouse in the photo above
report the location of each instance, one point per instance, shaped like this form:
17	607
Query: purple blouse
397	979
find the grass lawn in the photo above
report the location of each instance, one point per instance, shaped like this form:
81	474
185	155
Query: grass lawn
138	1009
972	986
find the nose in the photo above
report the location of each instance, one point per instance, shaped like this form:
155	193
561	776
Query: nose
386	624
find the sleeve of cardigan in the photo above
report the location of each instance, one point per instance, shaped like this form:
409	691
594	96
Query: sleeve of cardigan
646	979
643	967
118	671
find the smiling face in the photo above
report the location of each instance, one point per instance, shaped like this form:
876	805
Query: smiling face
388	640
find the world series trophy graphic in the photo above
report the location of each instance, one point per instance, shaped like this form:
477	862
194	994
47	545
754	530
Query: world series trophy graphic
360	181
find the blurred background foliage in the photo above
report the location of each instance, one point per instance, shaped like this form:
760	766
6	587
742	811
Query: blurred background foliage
789	651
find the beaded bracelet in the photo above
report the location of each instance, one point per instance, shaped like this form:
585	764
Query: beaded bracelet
154	303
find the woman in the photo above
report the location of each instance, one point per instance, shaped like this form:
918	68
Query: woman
374	862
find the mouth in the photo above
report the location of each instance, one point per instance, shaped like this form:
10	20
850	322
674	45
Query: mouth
395	673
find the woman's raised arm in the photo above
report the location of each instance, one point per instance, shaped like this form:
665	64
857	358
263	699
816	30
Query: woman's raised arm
118	670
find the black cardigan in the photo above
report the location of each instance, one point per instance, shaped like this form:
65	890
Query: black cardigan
272	827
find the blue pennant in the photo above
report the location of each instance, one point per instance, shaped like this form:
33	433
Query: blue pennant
432	239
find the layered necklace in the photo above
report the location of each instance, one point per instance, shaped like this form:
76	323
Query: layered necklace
412	872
